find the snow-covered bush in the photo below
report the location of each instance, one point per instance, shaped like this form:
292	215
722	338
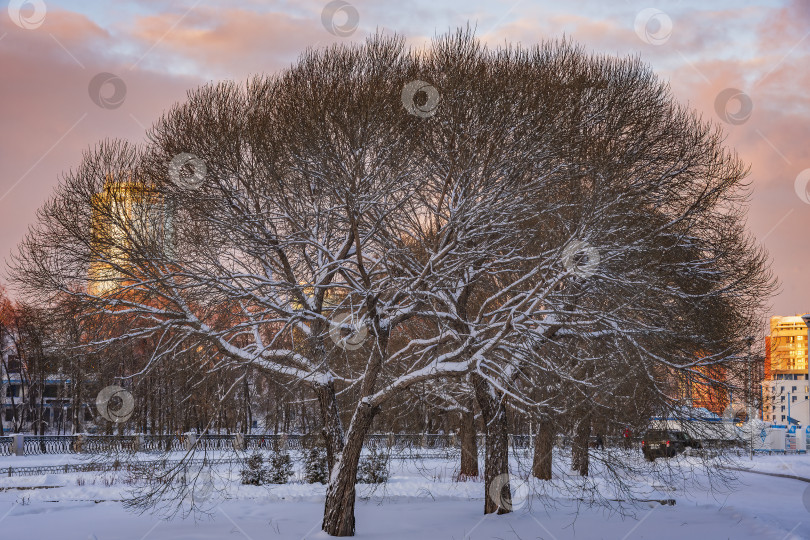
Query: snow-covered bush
316	468
254	472
373	468
279	467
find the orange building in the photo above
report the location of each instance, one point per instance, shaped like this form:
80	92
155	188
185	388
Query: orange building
785	396
708	390
767	366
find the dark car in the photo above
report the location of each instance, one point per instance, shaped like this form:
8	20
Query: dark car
666	443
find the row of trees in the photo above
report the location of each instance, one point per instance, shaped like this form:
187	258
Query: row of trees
22	353
45	357
47	347
50	381
536	231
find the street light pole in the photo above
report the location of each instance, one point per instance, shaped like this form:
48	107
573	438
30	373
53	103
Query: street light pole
750	399
806	319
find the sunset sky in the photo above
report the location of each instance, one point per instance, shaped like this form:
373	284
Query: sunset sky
52	52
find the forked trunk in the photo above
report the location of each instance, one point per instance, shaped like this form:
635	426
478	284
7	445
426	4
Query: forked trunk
469	445
497	496
338	515
543	445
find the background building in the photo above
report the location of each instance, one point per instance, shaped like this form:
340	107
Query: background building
125	211
785	393
707	390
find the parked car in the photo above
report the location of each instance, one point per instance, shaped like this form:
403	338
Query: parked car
666	443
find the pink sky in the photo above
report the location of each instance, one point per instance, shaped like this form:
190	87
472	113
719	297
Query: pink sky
161	49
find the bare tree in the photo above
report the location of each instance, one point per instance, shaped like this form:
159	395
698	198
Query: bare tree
550	216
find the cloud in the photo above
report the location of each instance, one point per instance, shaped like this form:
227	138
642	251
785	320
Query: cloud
48	115
785	26
160	49
230	42
708	52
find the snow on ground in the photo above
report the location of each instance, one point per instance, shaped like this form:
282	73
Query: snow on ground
796	464
420	501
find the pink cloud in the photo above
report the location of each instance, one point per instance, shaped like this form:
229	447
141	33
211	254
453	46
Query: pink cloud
708	52
49	117
232	42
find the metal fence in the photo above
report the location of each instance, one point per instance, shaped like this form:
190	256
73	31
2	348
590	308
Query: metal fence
5	446
408	443
108	467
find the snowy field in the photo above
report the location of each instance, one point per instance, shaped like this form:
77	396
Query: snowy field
421	500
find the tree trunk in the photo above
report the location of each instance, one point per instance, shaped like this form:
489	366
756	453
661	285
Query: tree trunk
332	427
469	445
579	445
543	445
581	435
497	496
338	515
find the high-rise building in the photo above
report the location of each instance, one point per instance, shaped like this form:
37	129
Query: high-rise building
785	391
128	217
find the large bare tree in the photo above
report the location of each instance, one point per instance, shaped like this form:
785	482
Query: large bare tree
376	219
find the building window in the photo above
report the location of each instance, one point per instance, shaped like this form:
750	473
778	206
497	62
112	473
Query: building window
794	398
13	364
794	389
